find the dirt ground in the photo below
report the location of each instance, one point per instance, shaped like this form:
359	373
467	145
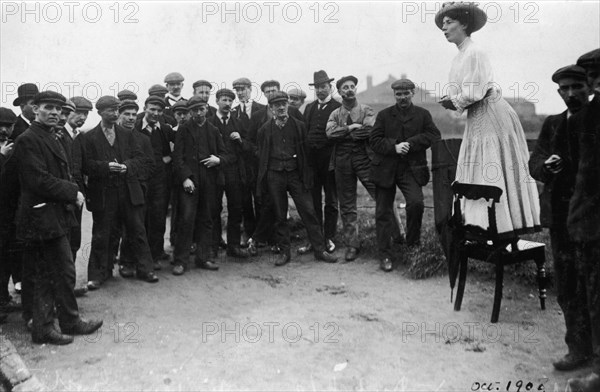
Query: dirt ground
305	326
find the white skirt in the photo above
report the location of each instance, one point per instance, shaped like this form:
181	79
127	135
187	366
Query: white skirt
494	152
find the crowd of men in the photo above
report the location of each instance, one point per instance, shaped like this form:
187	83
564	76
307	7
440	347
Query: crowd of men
131	166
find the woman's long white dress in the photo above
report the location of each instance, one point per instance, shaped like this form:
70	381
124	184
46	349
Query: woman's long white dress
494	149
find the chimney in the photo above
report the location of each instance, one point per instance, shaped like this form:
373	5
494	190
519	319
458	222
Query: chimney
369	82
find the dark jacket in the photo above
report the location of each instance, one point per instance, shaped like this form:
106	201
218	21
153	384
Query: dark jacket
160	140
186	161
584	206
558	188
236	152
263	144
48	194
417	128
93	157
20	127
245	121
326	112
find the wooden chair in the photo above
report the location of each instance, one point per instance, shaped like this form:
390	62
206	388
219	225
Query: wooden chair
486	245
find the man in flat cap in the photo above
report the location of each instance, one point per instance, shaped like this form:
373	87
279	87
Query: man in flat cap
297	98
199	151
114	163
284	167
174	83
180	113
234	173
319	149
158	192
551	164
79	116
202	89
401	135
44	218
245	112
158	90
128	111
25	94
584	209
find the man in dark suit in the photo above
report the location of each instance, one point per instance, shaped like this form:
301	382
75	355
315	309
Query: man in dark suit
199	150
263	232
284	167
551	164
316	115
114	162
401	135
25	94
44	218
584	210
233	172
202	89
158	192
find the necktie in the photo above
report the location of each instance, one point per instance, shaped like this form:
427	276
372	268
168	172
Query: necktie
224	119
322	105
244	108
75	132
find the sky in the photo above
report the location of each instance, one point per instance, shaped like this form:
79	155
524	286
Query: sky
99	48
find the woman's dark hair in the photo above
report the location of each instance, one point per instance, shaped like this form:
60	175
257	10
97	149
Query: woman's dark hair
463	17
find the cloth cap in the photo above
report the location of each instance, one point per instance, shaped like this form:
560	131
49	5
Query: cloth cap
174	77
195	101
296	92
278	96
226	92
158	90
69	105
153	99
590	59
344	79
7	116
570	71
128	104
107	102
127	95
82	104
403	84
180	105
199	83
49	97
241	82
269	83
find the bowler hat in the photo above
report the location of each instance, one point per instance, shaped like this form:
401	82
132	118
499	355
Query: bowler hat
570	71
174	77
180	105
155	100
126	95
241	82
107	102
590	59
268	83
201	82
320	77
128	104
403	84
49	97
195	101
473	14
25	92
226	92
7	116
278	96
344	79
157	90
82	104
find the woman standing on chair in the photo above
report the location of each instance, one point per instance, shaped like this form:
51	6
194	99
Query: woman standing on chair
494	149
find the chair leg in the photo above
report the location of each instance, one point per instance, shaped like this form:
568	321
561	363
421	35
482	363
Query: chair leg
498	292
540	261
462	279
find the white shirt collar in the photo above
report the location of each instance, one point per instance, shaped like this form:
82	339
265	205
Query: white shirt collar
70	129
326	100
145	124
24	119
220	116
174	98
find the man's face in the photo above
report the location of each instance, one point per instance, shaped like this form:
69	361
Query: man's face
279	109
127	118
27	110
270	90
348	90
198	113
5	131
64	115
202	92
224	103
181	116
47	113
243	93
403	97
77	118
296	101
175	88
574	92
323	90
593	77
109	115
153	112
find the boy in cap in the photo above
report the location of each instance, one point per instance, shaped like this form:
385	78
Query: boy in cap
551	164
284	167
297	97
24	100
114	163
44	218
202	89
584	210
199	151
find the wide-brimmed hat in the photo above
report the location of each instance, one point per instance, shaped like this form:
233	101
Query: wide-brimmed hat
320	77
474	14
25	92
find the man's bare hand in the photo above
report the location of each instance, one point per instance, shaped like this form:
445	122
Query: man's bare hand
235	136
402	148
211	161
188	186
167	159
554	164
352	127
6	149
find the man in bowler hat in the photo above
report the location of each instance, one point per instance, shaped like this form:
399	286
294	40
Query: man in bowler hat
24	100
